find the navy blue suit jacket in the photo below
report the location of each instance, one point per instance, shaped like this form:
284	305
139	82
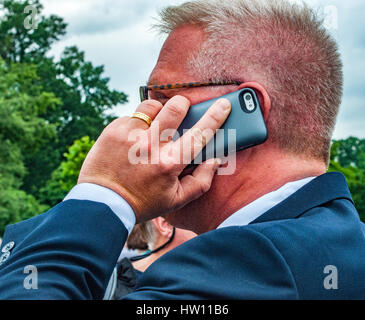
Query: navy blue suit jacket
284	254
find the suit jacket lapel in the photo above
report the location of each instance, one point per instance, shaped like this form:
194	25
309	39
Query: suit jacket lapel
325	188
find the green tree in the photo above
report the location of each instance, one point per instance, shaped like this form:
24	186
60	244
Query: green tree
85	97
347	156
66	175
22	131
19	44
349	152
83	90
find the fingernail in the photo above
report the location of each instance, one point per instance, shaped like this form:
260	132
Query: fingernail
218	161
224	104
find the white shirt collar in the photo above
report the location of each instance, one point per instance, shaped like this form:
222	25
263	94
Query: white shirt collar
261	205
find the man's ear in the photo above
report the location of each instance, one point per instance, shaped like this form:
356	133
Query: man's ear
163	227
262	95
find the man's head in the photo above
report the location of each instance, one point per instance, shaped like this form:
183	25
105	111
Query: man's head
279	48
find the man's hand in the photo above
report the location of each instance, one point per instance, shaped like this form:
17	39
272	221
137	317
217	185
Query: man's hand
154	189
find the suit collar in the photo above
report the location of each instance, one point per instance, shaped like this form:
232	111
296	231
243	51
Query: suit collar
323	189
256	208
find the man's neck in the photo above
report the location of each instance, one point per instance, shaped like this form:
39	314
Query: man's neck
143	264
258	173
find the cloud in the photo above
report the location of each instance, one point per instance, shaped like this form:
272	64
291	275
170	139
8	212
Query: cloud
352	43
351	118
94	16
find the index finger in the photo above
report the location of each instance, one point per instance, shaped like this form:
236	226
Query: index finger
196	138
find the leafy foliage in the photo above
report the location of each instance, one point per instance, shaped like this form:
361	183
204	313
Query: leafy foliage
65	176
83	91
22	131
348	157
16	206
349	152
36	127
19	44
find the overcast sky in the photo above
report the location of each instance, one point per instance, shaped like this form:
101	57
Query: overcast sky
117	34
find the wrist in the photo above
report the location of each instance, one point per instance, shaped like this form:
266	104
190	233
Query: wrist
97	193
127	195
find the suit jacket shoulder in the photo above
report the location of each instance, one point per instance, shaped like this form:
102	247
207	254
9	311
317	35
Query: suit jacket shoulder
310	246
229	263
324	249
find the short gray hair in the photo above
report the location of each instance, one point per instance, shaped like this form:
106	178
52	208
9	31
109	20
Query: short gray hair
280	44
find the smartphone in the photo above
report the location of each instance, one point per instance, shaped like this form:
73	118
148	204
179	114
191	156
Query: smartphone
244	128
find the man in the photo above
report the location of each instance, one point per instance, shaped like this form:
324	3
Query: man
278	228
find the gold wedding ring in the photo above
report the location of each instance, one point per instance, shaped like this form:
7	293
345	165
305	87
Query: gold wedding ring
143	117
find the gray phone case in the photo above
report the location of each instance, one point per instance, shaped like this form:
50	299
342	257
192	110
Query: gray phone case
245	118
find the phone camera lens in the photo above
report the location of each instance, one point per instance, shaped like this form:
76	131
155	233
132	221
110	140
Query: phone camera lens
248	102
